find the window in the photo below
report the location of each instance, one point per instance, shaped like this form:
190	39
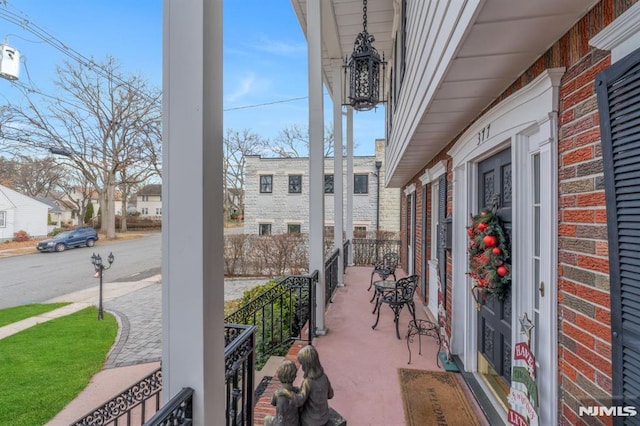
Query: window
295	184
361	184
145	198
293	228
3	220
144	210
328	231
359	232
158	211
264	229
266	183
328	184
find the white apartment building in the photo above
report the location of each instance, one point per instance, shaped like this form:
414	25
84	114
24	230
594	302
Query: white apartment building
277	195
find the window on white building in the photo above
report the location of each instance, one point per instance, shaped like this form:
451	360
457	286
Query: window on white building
144	210
264	229
158	211
3	219
359	232
361	184
328	184
293	228
266	183
145	198
295	184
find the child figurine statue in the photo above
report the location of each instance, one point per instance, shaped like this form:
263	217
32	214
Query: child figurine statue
315	391
284	398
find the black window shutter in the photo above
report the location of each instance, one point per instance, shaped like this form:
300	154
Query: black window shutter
442	234
618	91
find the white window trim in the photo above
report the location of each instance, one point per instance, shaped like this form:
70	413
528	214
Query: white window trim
3	215
622	36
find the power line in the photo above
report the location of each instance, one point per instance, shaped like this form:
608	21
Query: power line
266	103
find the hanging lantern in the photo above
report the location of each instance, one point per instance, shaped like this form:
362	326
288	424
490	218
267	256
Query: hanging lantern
365	67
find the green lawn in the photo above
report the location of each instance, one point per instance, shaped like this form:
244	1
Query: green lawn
18	313
44	367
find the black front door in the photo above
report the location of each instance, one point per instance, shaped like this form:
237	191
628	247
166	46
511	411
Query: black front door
494	317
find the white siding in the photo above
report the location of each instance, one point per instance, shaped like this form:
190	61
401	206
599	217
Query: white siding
22	214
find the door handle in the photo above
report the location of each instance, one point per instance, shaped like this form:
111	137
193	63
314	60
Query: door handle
541	289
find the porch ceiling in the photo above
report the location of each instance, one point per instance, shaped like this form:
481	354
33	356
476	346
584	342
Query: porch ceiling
502	41
342	22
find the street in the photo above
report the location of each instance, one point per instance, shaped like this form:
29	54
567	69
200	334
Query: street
38	277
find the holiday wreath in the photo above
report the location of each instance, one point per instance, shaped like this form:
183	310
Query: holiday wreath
489	264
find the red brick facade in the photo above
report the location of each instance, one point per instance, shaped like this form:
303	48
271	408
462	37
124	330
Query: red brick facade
584	333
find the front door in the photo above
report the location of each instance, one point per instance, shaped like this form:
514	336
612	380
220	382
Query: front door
494	317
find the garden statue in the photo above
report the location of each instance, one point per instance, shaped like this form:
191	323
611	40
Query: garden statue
284	398
316	390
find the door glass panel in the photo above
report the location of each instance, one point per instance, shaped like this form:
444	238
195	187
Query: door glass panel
536	250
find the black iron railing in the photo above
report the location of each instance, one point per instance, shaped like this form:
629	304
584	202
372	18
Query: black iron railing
345	253
178	411
331	277
280	314
239	360
131	406
367	251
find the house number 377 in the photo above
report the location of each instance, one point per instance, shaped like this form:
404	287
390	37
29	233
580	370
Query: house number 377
483	134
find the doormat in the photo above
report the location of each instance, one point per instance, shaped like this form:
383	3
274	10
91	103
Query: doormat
434	398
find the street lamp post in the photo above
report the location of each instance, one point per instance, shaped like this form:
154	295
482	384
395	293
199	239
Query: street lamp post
100	267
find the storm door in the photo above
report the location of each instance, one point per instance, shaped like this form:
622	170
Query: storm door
494	317
442	234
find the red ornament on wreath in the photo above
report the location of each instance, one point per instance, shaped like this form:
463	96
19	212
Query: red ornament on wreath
502	271
489	240
496	250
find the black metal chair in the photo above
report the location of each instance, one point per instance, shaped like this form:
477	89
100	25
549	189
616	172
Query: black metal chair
386	267
397	298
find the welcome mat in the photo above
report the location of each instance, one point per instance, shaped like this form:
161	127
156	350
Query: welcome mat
434	398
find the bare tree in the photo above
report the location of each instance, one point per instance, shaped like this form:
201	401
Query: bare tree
105	123
237	146
293	141
31	176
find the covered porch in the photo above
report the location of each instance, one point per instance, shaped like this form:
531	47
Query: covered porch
363	363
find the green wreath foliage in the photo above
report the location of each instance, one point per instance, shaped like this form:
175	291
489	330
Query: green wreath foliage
489	257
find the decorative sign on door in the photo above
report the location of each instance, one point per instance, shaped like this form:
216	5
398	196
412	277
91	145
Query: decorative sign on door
523	396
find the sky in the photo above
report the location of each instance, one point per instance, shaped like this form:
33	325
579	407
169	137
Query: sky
265	56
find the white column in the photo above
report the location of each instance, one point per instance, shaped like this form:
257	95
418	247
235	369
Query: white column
338	190
316	157
192	223
349	178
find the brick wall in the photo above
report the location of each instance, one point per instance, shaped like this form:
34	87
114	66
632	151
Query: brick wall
585	345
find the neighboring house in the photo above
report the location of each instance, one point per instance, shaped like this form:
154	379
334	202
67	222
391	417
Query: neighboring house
19	212
149	201
277	195
55	211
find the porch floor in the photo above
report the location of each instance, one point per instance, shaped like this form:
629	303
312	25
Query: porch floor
362	364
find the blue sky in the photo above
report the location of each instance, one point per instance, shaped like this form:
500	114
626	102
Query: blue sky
264	56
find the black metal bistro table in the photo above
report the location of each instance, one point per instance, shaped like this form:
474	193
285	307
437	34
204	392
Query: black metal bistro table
379	288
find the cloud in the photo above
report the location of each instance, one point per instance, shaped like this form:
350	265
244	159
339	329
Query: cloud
280	47
246	85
